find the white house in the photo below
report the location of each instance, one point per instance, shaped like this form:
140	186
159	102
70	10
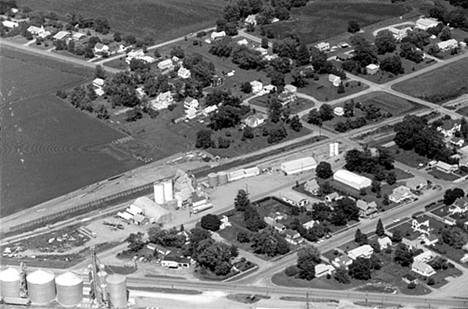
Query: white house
290	88
364	251
384	242
293	237
351	179
243	42
372	68
400	194
184	73
298	165
459	206
190	102
335	80
175	262
421	226
98	82
10	24
323	46
426	23
40	32
447	45
339	111
416	183
76	36
262	51
224	222
61	35
162	101
449	127
101	48
256	86
312	186
342	262
295	199
210	109
251	19
424	257
217	35
423	269
400	34
366	209
457	141
309	224
323	270
255	120
286	98
166	65
445	167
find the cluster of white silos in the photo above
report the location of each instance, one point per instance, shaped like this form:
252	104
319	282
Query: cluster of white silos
67	288
163	191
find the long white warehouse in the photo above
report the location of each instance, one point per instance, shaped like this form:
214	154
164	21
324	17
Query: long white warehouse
298	166
351	179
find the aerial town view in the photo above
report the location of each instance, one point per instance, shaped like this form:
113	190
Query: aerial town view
211	154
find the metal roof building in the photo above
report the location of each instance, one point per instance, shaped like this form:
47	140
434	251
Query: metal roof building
298	166
351	179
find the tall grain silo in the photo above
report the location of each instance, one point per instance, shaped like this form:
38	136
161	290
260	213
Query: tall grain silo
168	190
10	283
159	193
69	289
222	178
41	286
101	277
117	288
213	180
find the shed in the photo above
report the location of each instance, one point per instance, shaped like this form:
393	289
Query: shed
298	165
295	199
372	68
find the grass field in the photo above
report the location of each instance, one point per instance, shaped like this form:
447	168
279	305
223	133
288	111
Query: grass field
323	90
463	111
48	147
320	20
438	86
159	18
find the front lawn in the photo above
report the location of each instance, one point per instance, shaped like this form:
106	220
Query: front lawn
442	175
296	107
323	90
408	157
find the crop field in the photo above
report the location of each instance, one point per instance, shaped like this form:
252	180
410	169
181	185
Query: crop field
438	86
161	19
48	147
324	19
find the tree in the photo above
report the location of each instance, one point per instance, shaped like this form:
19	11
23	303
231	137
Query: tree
445	34
135	242
296	123
392	64
247	58
379	230
264	43
375	186
133	115
341	275
397	237
348	109
403	255
464	127
291	271
341	88
454	236
385	42
222	47
324	170
298	79
360	269
303	54
275	110
307	258
242	200
353	26
433	49
360	238
100	72
243	236
277	79
204	139
391	178
326	112
246	87
314	117
252	219
215	256
247	133
210	222
451	195
410	52
364	52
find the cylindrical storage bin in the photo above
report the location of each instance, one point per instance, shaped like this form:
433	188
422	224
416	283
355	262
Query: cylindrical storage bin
222	178
101	277
69	289
10	283
117	288
213	180
41	286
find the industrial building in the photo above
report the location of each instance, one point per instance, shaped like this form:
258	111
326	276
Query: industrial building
351	179
163	191
153	211
298	166
295	199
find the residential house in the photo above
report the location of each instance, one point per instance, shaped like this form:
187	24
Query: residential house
140	219
61	35
40	32
400	34
290	88
424	257
449	127
342	262
323	270
343	45
335	80
76	36
310	224
426	23
343	57
274	217
459	206
338	111
184	73
457	141
295	199
158	248
140	92
98	82
217	35
364	251
279	227
445	167
422	269
176	60
465	247
409	278
256	86
384	242
464	259
421	226
323	46
269	88
190	102
251	19
224	222
10	24
447	45
209	109
416	183
372	68
366	209
286	98
100	48
243	42
312	186
400	194
293	237
162	101
270	57
262	51
175	262
217	80
166	65
331	197
430	239
254	120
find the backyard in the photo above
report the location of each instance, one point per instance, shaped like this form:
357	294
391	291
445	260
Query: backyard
438	86
296	107
323	90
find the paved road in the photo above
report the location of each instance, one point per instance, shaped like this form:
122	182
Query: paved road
409	23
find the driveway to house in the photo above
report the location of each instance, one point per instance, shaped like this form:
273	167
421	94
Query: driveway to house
409	23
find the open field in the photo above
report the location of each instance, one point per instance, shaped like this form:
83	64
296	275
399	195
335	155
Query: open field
438	86
48	147
296	107
160	19
323	90
323	19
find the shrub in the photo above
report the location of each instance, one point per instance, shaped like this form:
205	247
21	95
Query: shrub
412	286
291	271
430	281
